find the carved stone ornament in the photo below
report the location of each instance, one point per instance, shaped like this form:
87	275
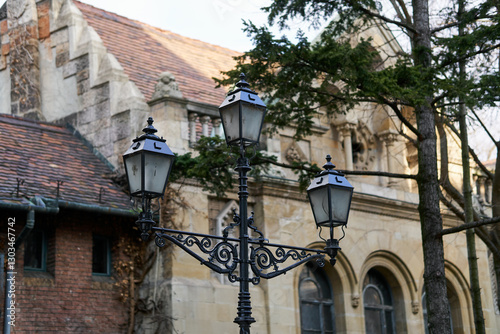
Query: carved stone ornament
363	147
294	154
415	306
166	87
355	301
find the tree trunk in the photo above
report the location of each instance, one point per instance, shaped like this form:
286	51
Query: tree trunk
475	288
495	205
428	186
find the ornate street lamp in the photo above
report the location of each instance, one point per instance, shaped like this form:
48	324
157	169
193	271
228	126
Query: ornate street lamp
148	162
330	196
242	114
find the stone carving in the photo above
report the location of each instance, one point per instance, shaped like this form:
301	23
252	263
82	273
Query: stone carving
294	154
355	301
166	87
363	147
415	306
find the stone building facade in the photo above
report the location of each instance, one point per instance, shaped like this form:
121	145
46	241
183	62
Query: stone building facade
105	74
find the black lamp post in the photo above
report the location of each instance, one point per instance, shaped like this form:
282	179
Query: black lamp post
242	114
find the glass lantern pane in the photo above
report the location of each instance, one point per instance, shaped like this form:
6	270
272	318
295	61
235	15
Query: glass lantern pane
133	166
319	202
341	198
252	121
231	120
157	167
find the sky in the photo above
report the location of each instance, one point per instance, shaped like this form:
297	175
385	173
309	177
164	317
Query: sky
217	22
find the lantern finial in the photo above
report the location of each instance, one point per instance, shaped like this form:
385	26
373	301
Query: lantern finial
150	129
243	82
329	165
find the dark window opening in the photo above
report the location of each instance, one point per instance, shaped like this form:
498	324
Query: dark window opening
378	304
35	251
101	255
317	312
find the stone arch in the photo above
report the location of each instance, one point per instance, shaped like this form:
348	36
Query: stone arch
459	297
344	284
458	291
400	280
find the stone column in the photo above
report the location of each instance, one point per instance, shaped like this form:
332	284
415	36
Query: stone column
216	122
205	121
192	127
345	131
389	137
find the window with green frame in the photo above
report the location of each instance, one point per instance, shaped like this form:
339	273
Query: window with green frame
35	251
101	255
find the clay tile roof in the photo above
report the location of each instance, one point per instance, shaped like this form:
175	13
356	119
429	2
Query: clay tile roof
41	154
145	51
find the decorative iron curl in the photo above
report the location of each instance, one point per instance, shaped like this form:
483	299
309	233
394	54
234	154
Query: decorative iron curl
222	255
237	221
265	264
159	241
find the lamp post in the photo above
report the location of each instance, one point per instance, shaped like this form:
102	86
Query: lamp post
242	114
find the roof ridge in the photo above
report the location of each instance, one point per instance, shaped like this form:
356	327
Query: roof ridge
140	24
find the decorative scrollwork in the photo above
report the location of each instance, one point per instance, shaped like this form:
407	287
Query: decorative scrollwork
159	241
251	225
236	219
266	264
222	254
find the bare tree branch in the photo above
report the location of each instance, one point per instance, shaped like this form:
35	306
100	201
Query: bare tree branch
469	225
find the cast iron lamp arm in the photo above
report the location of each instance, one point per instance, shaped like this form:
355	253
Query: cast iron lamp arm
222	253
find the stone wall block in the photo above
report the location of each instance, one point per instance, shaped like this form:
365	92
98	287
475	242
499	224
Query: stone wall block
82	75
121	126
69	69
4	27
62	54
82	63
93	113
43	19
5	48
96	95
3	62
82	87
59	37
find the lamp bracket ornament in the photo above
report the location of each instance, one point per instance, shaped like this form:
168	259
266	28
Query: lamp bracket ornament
220	253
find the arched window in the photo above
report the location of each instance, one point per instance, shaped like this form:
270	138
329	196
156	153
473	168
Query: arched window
378	304
317	313
453	306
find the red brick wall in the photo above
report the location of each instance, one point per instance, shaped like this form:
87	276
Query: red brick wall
68	298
